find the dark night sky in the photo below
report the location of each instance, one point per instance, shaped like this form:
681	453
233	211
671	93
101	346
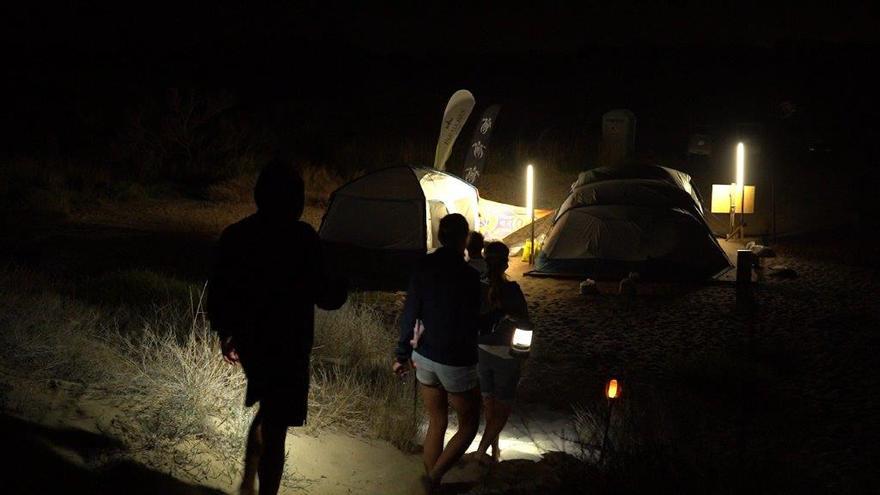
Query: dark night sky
149	33
670	63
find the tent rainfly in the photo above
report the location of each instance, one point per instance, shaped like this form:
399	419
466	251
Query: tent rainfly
647	219
378	226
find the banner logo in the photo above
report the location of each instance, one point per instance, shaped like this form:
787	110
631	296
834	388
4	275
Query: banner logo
471	175
485	125
479	148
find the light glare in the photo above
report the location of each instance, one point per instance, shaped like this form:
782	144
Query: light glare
522	338
724	196
530	188
740	168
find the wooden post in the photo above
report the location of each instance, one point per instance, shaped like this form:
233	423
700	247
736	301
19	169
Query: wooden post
605	436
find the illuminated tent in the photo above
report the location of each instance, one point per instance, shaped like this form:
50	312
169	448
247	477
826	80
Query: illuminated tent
377	226
646	219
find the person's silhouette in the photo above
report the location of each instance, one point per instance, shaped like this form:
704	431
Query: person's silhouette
261	298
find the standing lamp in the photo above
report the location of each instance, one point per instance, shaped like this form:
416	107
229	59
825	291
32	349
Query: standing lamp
735	198
530	208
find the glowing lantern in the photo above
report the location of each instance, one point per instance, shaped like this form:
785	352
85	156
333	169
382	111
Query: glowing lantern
612	390
522	340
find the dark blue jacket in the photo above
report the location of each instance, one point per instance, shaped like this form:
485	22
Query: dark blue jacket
444	292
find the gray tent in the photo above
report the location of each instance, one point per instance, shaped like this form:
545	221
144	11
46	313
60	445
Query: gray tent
647	219
377	226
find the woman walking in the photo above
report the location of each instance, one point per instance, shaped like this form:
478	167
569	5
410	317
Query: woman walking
444	300
502	306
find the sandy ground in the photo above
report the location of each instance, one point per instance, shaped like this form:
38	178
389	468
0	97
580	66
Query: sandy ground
334	463
70	424
813	337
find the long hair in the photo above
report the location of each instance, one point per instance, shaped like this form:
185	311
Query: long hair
496	254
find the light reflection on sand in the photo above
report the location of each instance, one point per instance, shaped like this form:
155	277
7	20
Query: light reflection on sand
530	432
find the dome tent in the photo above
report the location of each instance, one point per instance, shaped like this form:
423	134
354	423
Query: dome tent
378	226
647	219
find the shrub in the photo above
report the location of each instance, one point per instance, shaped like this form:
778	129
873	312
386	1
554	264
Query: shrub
184	407
128	191
181	406
32	187
191	137
237	189
137	287
351	360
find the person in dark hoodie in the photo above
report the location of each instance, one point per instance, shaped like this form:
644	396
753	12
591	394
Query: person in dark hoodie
261	300
443	302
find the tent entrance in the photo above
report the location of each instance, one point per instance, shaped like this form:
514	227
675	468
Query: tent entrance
378	226
436	211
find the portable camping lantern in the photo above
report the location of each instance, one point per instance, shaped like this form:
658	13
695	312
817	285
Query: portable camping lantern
521	344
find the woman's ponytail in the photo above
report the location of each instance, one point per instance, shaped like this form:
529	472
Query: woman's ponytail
496	254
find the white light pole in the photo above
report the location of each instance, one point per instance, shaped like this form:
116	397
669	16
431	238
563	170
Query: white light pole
530	208
738	194
741	184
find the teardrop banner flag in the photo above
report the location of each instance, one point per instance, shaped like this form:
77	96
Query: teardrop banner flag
479	148
454	117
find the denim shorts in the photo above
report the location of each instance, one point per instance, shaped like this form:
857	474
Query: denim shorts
455	379
499	376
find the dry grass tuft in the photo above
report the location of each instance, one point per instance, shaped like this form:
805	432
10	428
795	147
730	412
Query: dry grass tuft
179	398
353	387
181	407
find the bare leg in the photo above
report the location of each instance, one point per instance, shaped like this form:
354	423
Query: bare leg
252	457
272	458
488	411
494	424
467	407
438	416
